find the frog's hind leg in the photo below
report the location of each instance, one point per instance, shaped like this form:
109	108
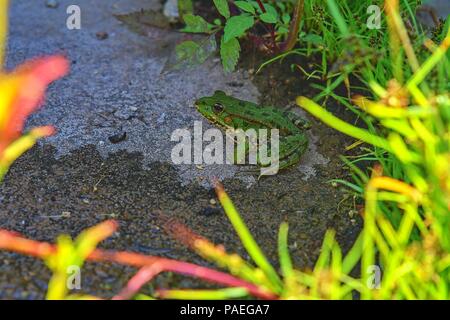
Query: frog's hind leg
293	158
292	145
241	151
291	150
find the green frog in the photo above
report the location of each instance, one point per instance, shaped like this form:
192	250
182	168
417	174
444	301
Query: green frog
230	113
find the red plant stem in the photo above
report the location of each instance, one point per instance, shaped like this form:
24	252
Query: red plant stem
155	265
272	30
148	272
151	265
261	6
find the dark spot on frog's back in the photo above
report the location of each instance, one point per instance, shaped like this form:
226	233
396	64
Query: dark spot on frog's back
283	132
241	103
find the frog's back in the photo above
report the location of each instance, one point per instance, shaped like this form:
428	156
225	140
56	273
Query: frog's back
236	113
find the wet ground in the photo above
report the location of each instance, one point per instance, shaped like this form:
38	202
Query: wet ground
83	175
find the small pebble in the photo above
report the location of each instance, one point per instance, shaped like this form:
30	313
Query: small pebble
293	246
119	137
124	114
52	4
86	201
212	202
65	214
101	35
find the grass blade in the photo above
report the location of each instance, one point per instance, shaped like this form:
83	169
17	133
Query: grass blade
248	241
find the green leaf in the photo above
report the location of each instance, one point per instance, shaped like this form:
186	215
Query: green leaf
271	14
229	52
222	7
194	53
185	7
313	38
255	5
270	9
186	49
196	24
281	6
191	53
245	6
282	30
237	25
286	18
268	18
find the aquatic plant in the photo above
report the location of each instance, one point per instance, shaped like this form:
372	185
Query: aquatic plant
21	93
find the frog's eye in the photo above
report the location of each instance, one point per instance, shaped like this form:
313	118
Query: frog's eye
218	108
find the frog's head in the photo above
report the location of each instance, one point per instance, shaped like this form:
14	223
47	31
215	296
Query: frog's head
213	107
